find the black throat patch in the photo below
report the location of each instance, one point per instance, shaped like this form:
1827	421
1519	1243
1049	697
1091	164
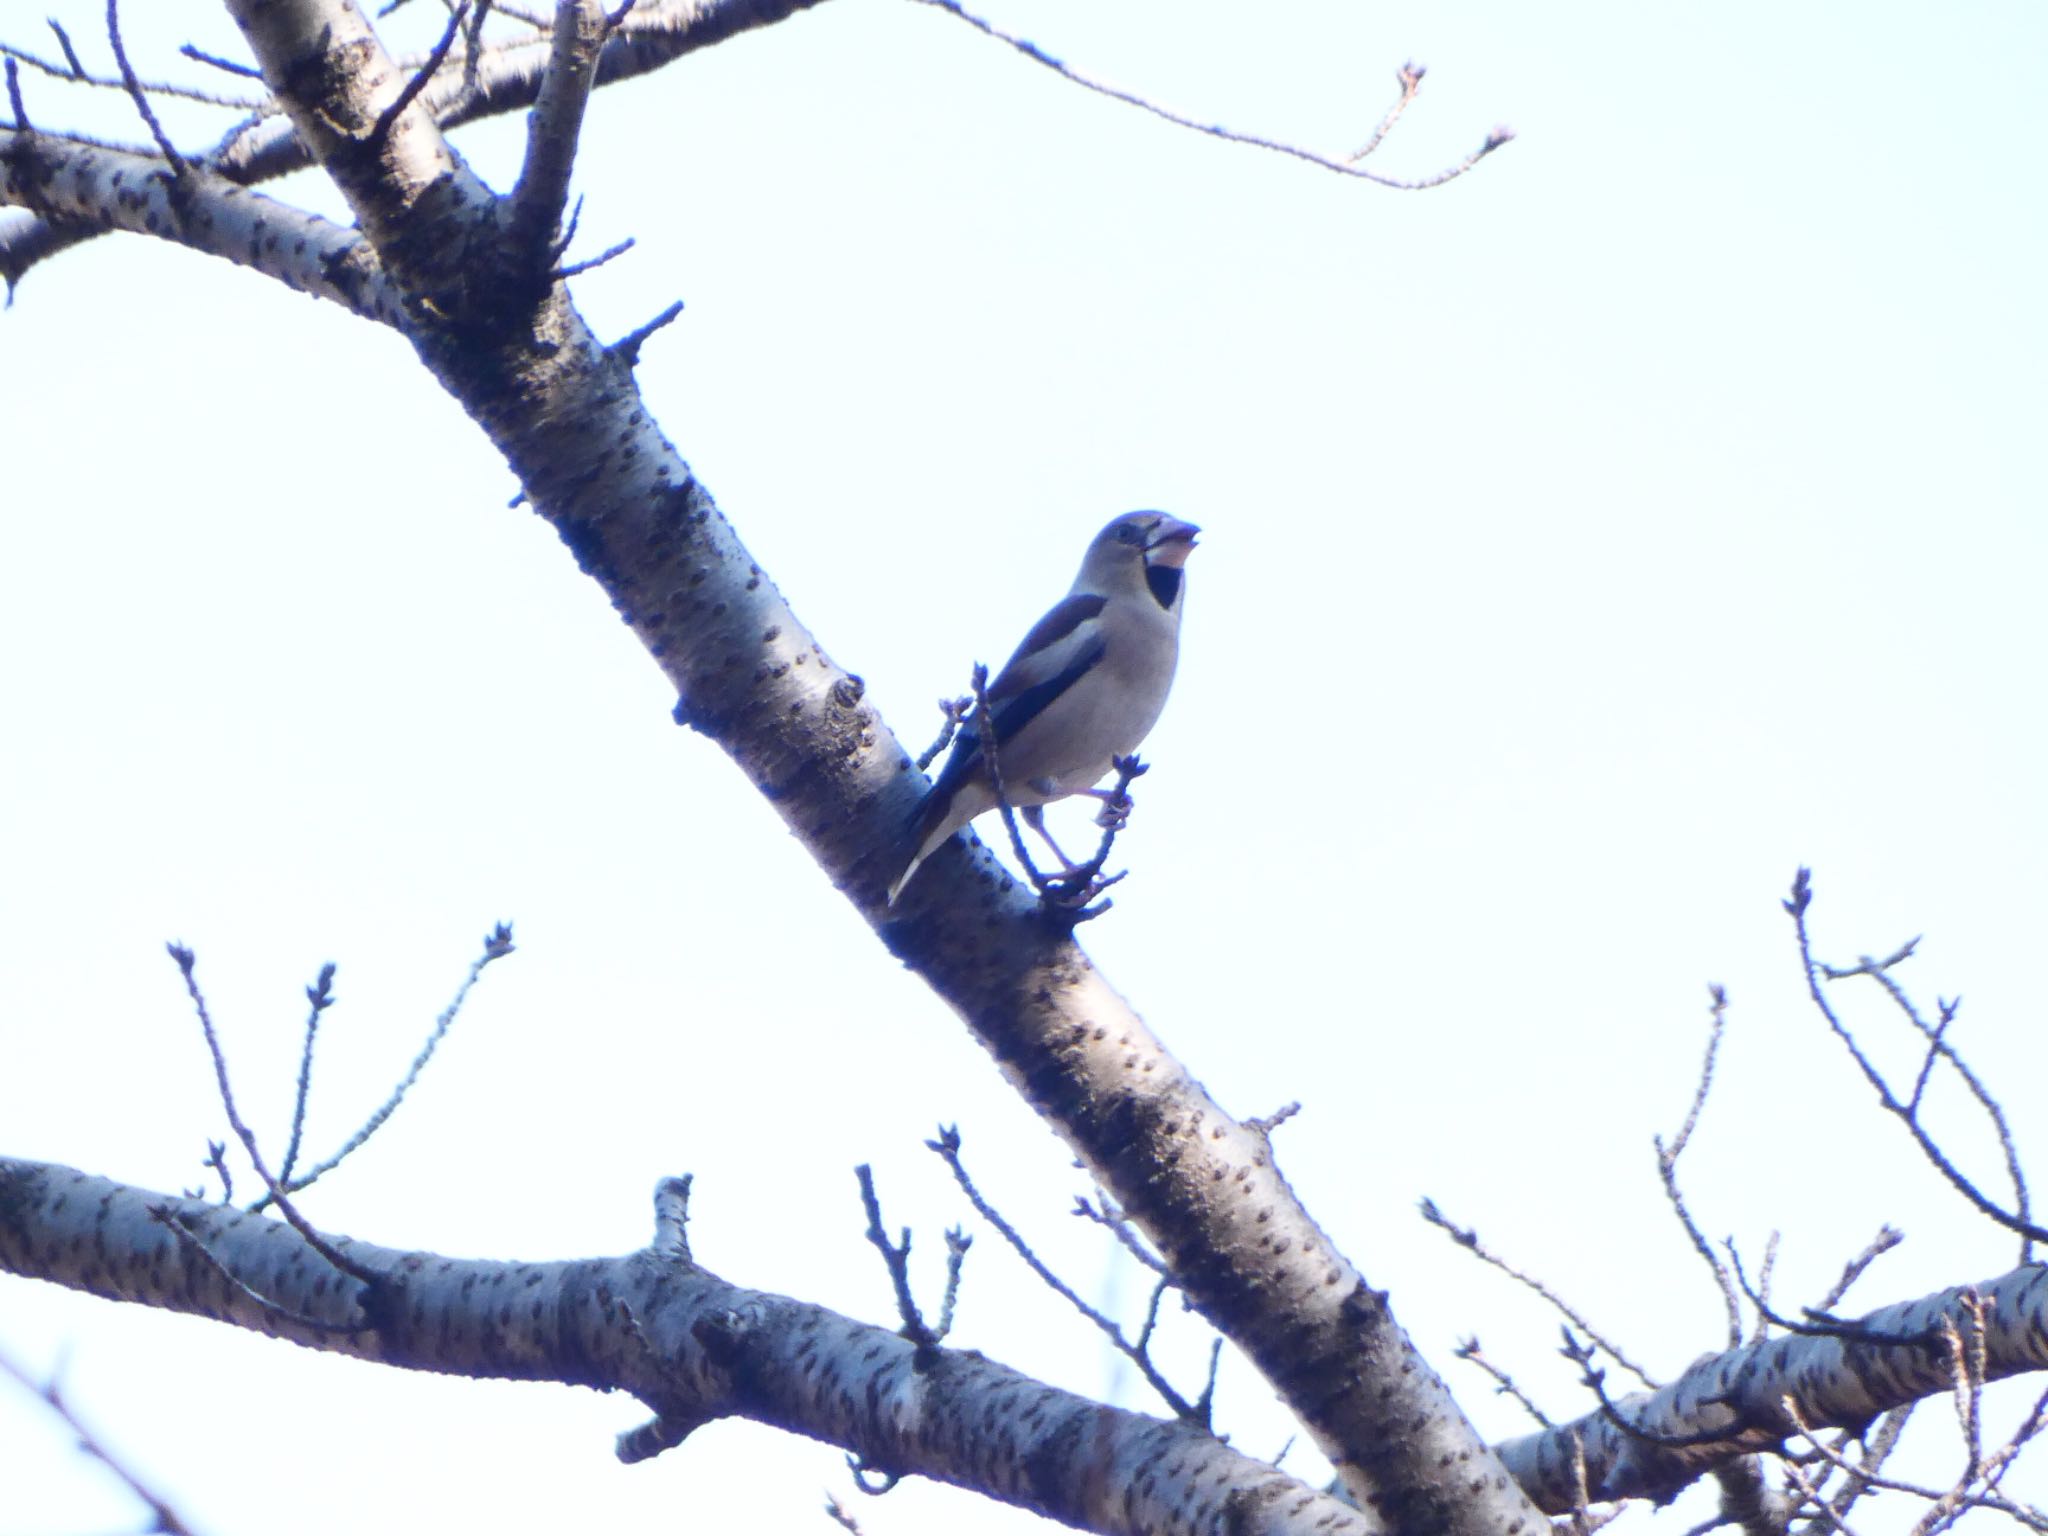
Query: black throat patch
1164	580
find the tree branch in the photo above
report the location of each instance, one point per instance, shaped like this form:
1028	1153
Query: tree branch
92	187
689	1344
1730	1404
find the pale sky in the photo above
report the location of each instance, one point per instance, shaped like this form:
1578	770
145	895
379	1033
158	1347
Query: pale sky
1588	544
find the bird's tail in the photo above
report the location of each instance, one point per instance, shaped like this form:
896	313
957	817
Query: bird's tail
922	835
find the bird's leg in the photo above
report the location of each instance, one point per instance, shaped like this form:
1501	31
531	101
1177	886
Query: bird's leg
1034	818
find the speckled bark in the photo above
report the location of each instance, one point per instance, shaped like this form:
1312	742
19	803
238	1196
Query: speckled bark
1737	1398
505	78
86	185
566	414
675	1336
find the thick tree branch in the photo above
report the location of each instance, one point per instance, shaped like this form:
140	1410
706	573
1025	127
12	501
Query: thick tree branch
1732	1404
90	186
690	1345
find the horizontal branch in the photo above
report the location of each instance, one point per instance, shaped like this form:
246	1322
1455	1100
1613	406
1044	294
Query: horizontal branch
87	185
687	1343
1732	1404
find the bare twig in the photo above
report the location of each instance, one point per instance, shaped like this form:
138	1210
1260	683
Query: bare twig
1938	1049
1594	1379
1888	1237
319	997
70	53
1119	1226
73	72
187	963
1409	78
217	1160
1797	904
896	1257
180	1227
627	347
15	105
955	710
1667	1165
227	67
1467	1238
609	253
436	57
136	92
1503	1383
163	1517
1818	1324
497	945
947	1146
1342	167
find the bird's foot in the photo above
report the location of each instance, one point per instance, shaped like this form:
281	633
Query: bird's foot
1072	896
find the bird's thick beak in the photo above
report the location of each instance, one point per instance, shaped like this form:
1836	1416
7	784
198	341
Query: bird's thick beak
1171	542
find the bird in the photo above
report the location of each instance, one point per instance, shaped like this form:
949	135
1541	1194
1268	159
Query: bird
1085	686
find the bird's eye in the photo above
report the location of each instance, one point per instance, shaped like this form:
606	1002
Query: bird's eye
1129	533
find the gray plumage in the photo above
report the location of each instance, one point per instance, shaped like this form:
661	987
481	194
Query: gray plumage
1085	686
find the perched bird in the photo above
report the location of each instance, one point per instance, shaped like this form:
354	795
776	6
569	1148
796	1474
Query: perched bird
1085	686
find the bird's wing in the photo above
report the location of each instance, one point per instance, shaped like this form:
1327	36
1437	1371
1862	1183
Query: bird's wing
1062	648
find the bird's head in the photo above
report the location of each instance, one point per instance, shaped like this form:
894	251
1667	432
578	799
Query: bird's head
1139	548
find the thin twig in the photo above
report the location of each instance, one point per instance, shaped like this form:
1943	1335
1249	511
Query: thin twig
1065	71
180	1227
1409	78
436	57
1467	1238
896	1257
1667	1164
609	253
71	72
319	997
1888	1237
187	964
1503	1383
497	945
955	710
1797	904
225	66
163	1517
14	101
70	53
136	93
1818	1324
1119	1226
947	1146
627	347
1594	1380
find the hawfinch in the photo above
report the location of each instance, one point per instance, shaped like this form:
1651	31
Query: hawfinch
1085	686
